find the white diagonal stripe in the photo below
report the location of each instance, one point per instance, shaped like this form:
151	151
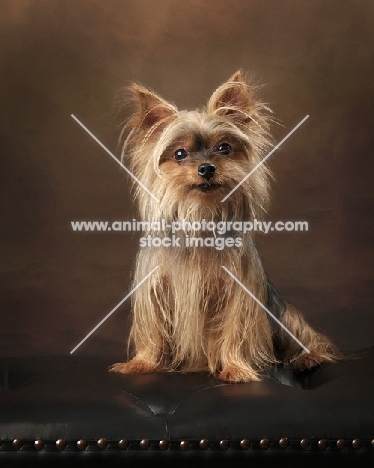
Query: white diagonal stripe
266	309
265	158
117	160
113	310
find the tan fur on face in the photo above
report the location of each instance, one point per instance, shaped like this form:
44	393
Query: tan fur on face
191	315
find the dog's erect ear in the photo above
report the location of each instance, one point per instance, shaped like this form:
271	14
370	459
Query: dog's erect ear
234	99
151	109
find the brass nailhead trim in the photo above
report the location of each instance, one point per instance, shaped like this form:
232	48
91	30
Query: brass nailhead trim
184	445
340	443
82	444
356	444
102	443
224	444
123	444
144	444
163	444
304	443
283	443
17	444
323	444
245	444
39	444
60	444
204	444
264	444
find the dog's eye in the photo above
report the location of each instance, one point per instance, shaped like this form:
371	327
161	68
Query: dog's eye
225	149
180	154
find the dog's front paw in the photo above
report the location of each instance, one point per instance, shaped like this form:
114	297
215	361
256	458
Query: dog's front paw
135	366
306	361
237	374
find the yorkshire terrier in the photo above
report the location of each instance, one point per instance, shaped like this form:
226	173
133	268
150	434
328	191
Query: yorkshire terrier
191	315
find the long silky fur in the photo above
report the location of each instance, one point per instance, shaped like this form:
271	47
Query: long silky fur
190	315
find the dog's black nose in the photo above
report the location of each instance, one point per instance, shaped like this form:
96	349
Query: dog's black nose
206	170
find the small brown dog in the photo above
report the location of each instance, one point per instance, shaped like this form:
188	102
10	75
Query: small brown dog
191	314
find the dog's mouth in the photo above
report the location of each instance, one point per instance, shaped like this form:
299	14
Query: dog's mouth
205	187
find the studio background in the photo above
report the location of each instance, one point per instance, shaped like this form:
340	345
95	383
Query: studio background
63	57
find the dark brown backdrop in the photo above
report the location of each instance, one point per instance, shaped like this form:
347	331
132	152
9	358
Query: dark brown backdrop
60	57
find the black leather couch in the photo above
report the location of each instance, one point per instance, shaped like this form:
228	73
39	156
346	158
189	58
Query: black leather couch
69	411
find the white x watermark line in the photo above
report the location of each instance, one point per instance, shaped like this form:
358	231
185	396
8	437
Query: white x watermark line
117	161
266	157
113	310
156	199
266	310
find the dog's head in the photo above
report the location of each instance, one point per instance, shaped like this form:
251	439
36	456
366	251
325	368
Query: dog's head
191	160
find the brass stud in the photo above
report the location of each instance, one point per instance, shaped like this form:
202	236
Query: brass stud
184	445
224	444
82	444
245	444
264	444
163	444
283	443
340	443
323	444
204	444
39	444
17	444
60	444
102	443
123	444
144	444
304	443
356	444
